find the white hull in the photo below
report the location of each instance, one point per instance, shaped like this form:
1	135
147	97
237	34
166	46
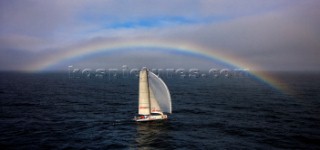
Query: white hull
150	118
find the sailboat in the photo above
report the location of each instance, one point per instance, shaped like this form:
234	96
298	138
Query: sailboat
154	97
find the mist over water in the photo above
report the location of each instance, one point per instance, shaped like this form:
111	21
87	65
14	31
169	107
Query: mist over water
54	111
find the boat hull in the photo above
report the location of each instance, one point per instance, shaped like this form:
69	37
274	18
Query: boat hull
150	118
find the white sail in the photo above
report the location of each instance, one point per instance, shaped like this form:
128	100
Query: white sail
160	92
154	105
144	102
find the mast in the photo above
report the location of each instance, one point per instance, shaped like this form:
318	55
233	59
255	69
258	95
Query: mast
149	99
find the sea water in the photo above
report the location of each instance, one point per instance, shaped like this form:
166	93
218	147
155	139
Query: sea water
54	111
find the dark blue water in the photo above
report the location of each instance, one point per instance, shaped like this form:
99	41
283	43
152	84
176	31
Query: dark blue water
52	111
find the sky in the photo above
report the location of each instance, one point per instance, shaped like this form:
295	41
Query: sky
267	34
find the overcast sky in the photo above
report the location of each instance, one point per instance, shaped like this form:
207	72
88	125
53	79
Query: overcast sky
273	34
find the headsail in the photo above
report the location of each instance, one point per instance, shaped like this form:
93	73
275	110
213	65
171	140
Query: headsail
154	105
160	92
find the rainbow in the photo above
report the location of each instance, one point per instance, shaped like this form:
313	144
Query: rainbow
177	46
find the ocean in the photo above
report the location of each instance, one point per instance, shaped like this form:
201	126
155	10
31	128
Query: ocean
56	111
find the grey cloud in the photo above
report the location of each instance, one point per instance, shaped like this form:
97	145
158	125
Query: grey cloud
273	34
35	17
279	40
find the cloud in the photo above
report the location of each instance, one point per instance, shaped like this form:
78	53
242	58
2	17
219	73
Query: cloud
32	17
275	34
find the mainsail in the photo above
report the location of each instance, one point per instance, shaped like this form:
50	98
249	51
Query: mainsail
154	95
144	96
